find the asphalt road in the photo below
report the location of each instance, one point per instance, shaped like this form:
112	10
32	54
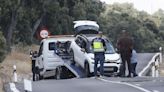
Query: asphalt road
106	84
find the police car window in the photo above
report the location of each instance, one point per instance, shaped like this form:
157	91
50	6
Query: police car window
77	41
52	46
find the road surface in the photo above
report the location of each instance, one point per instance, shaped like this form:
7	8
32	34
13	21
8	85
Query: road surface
105	84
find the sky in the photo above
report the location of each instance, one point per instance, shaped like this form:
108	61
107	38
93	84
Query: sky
149	6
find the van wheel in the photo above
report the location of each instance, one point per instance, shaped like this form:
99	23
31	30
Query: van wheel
58	73
87	70
72	57
40	77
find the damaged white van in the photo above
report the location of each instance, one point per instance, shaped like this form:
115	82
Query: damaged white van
83	53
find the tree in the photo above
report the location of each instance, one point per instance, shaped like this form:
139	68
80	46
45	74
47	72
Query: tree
10	10
142	26
2	47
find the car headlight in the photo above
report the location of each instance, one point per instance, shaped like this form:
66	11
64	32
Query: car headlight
119	61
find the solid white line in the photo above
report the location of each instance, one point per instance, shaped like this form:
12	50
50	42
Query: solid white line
124	83
13	88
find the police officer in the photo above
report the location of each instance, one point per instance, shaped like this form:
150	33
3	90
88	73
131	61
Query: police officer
99	47
125	46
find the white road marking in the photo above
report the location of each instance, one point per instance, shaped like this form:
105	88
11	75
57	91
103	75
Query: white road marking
13	88
27	85
156	91
124	83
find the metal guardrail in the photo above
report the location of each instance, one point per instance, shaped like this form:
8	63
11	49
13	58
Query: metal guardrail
153	66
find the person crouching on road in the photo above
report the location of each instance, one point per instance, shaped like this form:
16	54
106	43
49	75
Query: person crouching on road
99	47
134	63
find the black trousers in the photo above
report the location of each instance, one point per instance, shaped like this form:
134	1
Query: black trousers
99	57
126	58
33	70
133	66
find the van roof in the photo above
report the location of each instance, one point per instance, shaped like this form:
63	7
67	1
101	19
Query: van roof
59	38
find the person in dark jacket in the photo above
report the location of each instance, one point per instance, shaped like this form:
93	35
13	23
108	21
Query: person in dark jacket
125	45
99	47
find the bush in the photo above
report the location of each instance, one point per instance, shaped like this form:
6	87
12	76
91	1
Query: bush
3	48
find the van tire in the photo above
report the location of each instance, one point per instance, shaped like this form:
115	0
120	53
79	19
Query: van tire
73	58
40	77
87	70
58	73
37	75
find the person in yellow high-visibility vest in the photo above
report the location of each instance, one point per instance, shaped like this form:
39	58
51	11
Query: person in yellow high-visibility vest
99	47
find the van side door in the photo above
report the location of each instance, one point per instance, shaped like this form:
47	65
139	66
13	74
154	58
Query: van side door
80	54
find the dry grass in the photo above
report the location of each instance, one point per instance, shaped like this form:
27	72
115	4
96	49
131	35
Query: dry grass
21	58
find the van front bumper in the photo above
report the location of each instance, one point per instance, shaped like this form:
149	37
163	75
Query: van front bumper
108	67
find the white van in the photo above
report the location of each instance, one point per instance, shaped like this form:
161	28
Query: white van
50	54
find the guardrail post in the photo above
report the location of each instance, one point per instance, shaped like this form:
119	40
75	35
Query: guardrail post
153	69
15	79
156	68
160	49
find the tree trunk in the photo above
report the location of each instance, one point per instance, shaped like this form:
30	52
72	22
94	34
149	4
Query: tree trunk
11	27
36	25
